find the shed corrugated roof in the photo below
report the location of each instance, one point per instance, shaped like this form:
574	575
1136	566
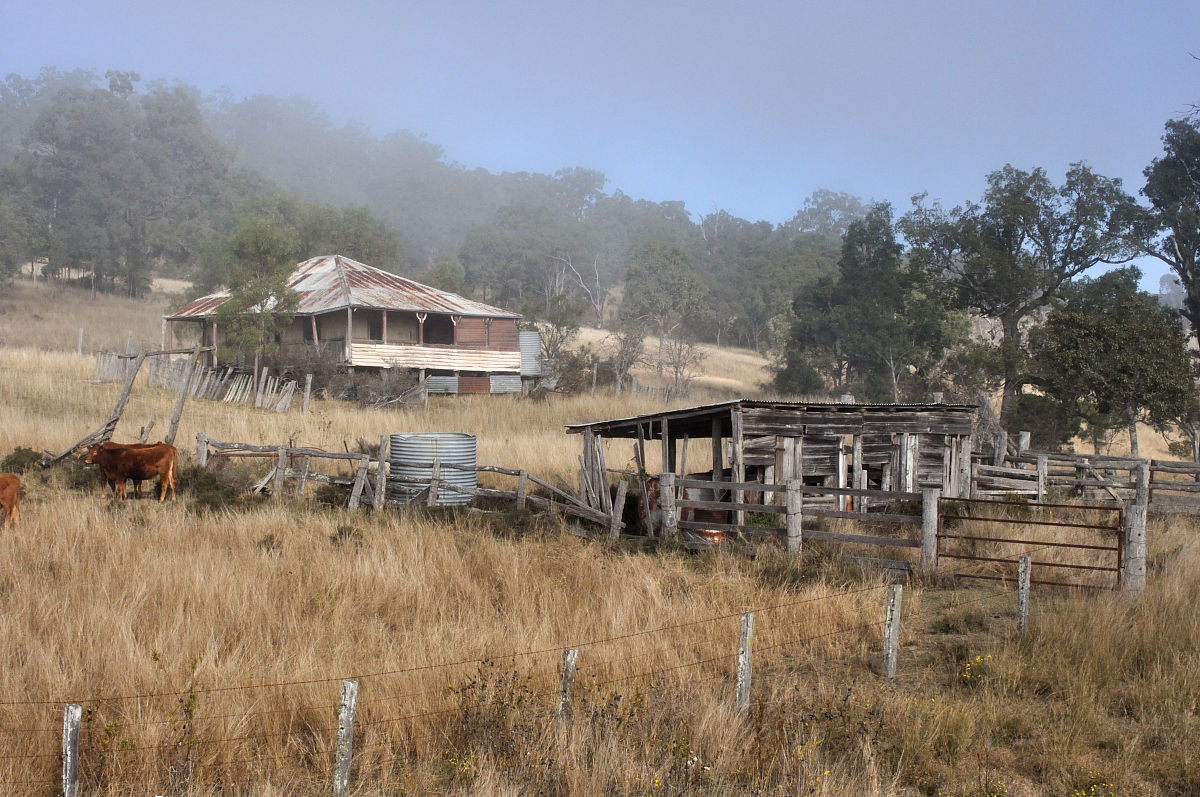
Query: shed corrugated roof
335	282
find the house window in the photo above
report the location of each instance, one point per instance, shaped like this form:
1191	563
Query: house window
375	328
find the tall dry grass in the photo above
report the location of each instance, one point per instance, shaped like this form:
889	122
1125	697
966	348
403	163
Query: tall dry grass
207	645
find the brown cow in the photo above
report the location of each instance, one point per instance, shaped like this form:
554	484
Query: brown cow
10	498
112	484
140	461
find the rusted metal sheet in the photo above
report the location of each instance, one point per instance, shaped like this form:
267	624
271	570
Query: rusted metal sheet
334	282
439	358
474	384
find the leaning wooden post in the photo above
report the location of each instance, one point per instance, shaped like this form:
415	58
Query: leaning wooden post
522	489
345	738
381	477
201	449
744	663
183	391
280	472
614	523
1024	566
1134	558
670	517
360	481
891	631
570	655
70	749
930	496
795	517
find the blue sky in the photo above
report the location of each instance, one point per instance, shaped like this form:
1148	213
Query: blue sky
746	106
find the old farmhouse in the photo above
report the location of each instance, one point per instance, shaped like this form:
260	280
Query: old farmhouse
371	318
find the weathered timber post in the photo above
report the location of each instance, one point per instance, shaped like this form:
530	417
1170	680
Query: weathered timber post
795	517
307	392
930	496
381	477
345	738
303	480
860	474
1023	442
79	344
1001	448
360	481
522	489
280	472
1081	471
570	655
1134	555
670	515
937	396
744	663
1024	566
1043	476
201	449
891	631
614	523
70	749
435	479
183	391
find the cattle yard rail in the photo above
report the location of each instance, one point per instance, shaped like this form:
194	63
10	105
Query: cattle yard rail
372	475
957	517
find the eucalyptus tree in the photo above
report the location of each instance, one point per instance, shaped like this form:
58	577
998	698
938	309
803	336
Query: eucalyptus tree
1171	230
1112	356
1010	256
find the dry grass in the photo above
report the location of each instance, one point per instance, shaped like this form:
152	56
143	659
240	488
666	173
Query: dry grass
207	646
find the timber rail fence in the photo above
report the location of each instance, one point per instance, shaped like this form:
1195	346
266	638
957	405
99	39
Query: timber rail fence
224	384
220	736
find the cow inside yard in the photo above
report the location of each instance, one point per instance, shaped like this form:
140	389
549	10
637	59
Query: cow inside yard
139	461
10	498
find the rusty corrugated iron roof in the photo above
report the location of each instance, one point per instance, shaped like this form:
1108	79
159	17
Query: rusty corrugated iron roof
334	282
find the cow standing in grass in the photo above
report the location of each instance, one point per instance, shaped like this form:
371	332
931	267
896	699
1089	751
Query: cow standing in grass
10	498
140	461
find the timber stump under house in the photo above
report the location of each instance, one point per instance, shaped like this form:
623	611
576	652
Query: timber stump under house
370	318
888	447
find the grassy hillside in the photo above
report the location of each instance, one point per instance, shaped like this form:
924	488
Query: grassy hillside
206	638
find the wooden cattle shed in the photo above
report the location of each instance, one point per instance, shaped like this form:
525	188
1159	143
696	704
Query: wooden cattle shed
889	447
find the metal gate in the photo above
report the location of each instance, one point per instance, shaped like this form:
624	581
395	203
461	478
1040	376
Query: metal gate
1082	549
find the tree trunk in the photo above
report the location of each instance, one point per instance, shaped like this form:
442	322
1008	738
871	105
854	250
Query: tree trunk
1133	441
1010	343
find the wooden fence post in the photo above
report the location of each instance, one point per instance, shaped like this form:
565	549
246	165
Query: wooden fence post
744	663
280	472
795	517
522	489
891	631
79	344
670	516
614	524
345	738
381	477
70	749
1023	442
360	481
930	497
1134	555
307	392
1043	476
569	658
1024	566
435	478
181	398
1001	450
201	449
